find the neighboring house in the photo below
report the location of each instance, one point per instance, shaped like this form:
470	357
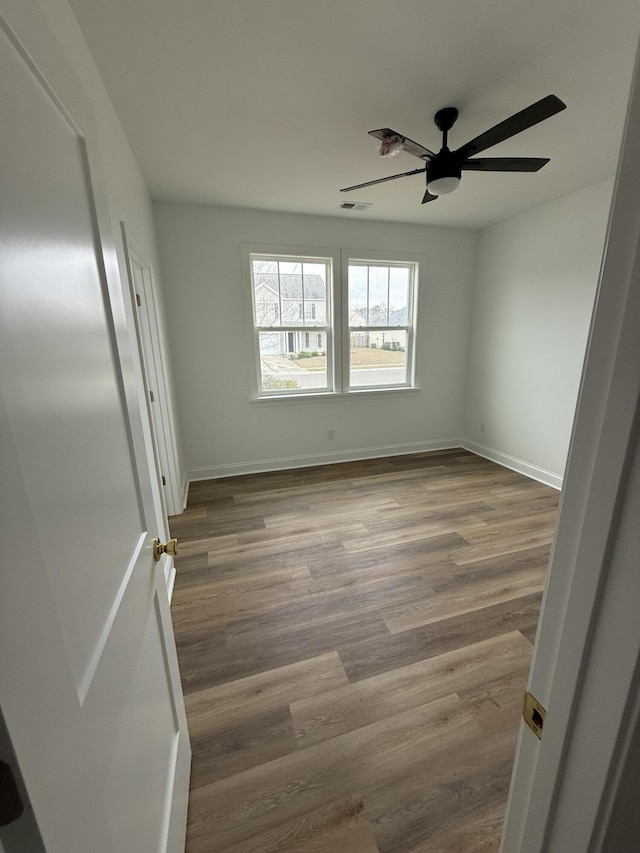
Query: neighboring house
375	339
283	301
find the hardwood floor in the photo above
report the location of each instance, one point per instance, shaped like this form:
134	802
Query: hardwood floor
354	642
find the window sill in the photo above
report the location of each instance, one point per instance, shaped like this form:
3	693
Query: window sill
323	396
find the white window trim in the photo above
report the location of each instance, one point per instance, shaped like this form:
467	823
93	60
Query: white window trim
383	258
332	348
337	333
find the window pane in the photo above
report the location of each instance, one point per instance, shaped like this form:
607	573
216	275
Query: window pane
290	267
315	294
264	266
266	292
357	295
377	358
291	294
314	269
287	364
378	296
398	296
267	310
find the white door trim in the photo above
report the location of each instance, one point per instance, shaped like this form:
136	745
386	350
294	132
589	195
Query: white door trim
152	341
559	783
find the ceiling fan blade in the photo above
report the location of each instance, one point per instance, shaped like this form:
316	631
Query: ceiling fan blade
382	180
428	197
407	144
506	164
537	112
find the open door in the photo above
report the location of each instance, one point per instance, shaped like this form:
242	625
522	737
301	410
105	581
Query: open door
586	665
89	680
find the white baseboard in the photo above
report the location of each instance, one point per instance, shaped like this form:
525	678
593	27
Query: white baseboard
233	469
519	465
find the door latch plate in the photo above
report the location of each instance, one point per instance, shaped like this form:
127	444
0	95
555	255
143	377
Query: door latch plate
533	713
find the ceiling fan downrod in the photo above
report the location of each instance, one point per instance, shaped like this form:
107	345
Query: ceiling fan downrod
444	120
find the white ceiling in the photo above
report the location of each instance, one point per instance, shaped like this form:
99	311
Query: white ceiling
266	103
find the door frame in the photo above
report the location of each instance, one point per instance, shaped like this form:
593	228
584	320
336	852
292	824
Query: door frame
152	348
585	663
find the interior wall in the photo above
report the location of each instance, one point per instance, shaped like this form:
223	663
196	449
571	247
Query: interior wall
510	389
536	281
224	431
126	189
127	193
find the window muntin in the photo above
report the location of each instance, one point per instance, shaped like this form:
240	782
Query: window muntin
381	324
292	311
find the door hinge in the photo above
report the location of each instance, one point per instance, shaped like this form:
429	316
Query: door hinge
138	300
152	396
164	480
533	714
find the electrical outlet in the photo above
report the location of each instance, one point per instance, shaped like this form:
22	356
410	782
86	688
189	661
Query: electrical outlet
482	426
331	433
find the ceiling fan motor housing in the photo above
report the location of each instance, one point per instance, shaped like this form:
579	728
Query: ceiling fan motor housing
445	165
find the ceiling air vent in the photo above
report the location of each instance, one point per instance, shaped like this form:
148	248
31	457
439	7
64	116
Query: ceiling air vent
355	205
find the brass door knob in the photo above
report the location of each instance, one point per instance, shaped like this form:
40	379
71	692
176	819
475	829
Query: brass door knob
170	548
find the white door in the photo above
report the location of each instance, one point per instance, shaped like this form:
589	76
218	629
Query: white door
586	664
89	683
151	349
149	377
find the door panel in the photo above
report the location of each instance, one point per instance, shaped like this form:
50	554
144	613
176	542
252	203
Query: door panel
150	707
88	671
59	395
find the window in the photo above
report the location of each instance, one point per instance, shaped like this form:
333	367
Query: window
380	306
311	340
292	311
307	310
323	327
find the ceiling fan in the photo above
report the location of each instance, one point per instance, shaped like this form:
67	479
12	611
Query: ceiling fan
444	169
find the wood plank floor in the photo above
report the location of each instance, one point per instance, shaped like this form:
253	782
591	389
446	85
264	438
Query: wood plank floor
354	642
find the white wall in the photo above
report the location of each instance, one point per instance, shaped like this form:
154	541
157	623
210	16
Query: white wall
127	193
536	277
126	190
536	282
223	431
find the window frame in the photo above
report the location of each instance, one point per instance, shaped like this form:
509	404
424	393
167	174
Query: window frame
337	331
306	254
381	259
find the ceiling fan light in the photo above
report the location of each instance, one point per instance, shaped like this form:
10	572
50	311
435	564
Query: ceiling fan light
442	186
